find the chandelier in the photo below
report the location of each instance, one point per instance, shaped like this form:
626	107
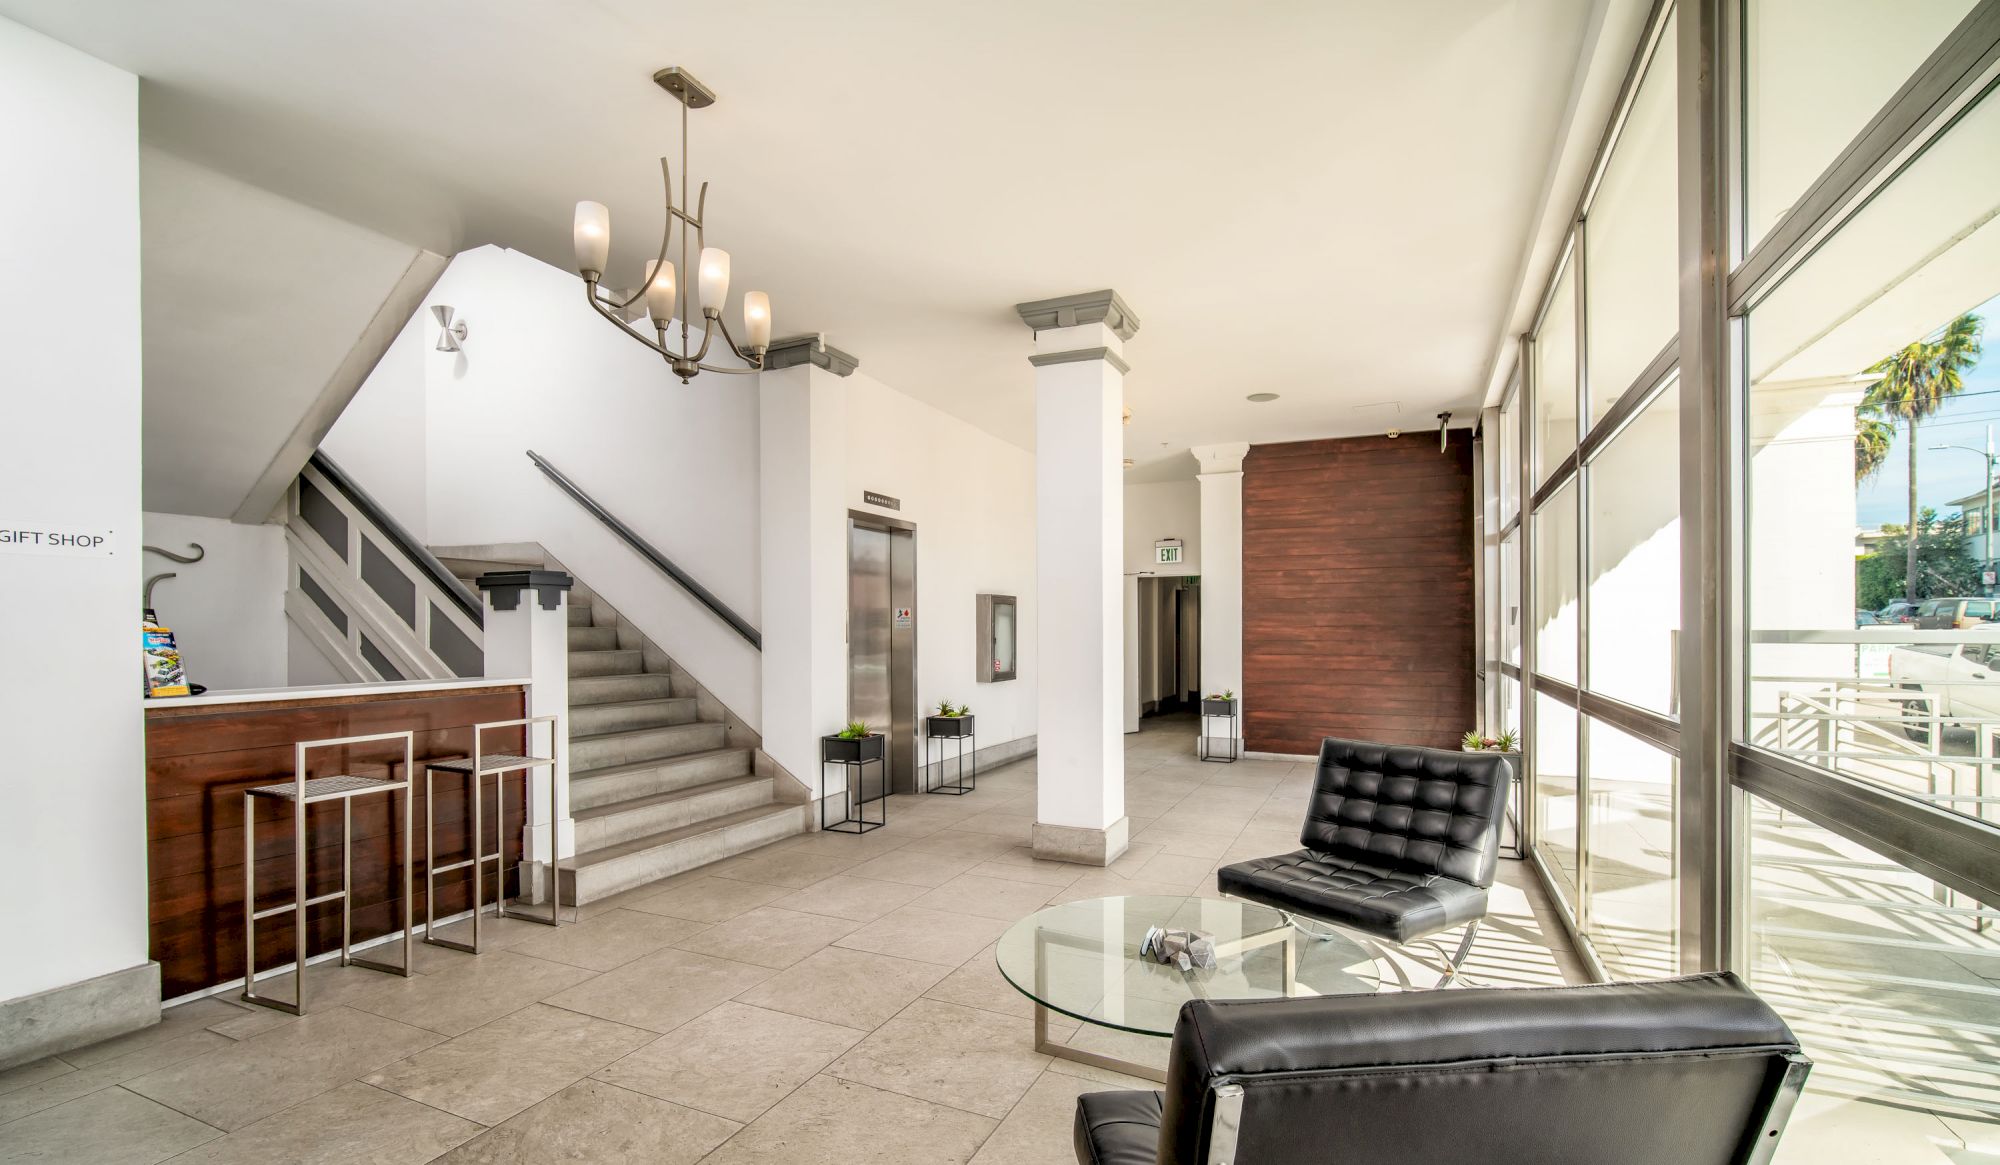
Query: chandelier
665	298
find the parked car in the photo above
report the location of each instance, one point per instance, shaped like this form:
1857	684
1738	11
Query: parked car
1898	612
1865	618
1953	614
1962	679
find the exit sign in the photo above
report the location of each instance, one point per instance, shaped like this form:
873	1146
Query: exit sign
1167	552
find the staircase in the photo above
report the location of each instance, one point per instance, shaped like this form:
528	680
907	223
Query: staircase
657	786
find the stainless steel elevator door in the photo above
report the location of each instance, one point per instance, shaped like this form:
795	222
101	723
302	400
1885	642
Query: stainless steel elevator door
882	645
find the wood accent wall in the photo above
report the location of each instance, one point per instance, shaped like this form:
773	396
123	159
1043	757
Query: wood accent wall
1357	592
201	759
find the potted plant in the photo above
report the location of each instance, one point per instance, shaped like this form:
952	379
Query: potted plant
856	742
1223	705
1508	741
949	720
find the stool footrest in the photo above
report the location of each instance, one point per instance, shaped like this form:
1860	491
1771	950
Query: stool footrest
489	765
446	869
288	907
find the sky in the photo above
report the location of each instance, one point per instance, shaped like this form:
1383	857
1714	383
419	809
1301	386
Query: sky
1942	475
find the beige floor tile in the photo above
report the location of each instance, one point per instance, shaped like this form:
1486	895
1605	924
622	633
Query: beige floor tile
493	1072
244	1082
736	1061
914	867
1186	844
1099	1078
1979	1136
928	936
1017	827
175	1022
608	941
495	933
851	988
969	1059
996	898
482	989
1105	884
855	899
964	844
1038	1129
34	1072
850	846
789	868
60	1089
708	899
1019	864
768	936
663	990
355	1122
829	1120
1130	1047
109	1127
979	983
1178	870
1826	1129
601	1124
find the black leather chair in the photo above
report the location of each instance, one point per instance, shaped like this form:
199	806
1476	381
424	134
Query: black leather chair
1695	1071
1400	843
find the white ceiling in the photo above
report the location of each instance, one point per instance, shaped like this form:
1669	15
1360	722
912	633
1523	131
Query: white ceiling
1329	200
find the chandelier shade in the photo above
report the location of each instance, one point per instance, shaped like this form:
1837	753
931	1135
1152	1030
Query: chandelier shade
664	292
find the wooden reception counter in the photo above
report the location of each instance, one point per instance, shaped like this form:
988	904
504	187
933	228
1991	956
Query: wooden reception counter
203	751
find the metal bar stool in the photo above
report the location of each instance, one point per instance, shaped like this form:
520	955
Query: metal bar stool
476	768
302	792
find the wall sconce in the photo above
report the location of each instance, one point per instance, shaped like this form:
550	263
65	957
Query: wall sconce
452	338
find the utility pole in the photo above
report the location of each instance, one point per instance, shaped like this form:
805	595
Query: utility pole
1986	516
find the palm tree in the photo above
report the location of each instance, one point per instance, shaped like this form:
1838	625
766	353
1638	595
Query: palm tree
1873	435
1915	382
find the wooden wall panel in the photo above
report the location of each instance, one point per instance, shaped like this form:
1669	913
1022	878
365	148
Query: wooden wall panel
1357	592
199	761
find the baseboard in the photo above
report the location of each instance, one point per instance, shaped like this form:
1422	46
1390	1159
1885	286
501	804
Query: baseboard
1080	845
992	756
1292	756
76	1015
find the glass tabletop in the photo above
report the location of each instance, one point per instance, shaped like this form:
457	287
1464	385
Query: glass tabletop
1082	959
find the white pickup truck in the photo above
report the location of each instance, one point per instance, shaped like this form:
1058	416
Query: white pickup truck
1963	679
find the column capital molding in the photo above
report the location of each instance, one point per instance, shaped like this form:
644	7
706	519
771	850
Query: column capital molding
1088	307
1221	458
507	586
1078	355
811	348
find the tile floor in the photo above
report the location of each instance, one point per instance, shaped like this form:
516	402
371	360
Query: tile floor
830	998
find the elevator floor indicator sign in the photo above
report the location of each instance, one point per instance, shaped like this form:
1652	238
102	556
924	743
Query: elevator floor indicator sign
905	618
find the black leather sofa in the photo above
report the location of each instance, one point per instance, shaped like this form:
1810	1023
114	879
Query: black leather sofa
1694	1071
1400	843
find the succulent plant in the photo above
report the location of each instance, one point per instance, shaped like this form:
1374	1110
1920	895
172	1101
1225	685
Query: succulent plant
855	730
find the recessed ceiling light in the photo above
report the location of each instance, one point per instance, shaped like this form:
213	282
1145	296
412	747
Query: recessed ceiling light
1262	397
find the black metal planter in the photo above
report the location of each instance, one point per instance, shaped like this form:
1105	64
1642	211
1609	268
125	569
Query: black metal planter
1217	708
960	730
854	755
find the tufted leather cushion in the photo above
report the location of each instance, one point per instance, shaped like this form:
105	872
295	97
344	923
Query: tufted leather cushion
1388	904
1410	810
1117	1128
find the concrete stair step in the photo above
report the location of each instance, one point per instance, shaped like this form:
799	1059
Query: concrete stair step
623	821
617	689
624	715
592	788
639	744
579	615
614	869
605	663
593	638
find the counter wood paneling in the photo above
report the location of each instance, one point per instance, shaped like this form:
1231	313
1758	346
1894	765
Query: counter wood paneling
201	757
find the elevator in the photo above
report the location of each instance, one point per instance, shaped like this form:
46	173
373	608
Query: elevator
882	641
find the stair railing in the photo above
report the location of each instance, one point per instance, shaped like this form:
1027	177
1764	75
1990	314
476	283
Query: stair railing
370	596
650	553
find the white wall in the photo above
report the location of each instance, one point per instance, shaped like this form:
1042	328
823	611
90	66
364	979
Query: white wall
228	610
1163	509
542	371
380	439
972	497
73	833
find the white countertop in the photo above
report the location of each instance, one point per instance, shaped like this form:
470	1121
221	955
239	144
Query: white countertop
328	691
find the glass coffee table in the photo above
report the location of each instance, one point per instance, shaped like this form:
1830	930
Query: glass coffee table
1081	959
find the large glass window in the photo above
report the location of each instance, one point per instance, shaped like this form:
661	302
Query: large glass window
1635	558
1557	614
1510	598
1555	773
1631	242
1510	454
1555	379
1633	896
1815	73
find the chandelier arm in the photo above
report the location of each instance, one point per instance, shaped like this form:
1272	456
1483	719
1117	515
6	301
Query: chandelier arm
709	320
730	371
666	238
756	362
628	329
700	218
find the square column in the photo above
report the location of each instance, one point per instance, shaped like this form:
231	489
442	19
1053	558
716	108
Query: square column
802	468
527	636
1079	574
1221	480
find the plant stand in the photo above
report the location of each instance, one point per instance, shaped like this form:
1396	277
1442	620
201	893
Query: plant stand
853	758
937	730
1224	710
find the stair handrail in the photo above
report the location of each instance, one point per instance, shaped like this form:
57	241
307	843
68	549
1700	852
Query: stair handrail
419	555
649	552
